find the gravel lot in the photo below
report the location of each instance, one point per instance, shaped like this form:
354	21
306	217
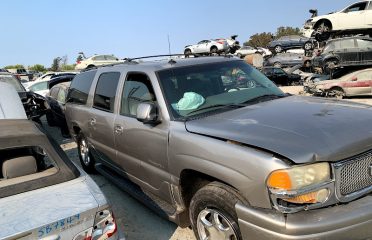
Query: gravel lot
137	221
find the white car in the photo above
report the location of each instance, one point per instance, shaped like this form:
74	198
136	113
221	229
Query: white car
356	17
246	50
39	87
50	75
97	60
207	47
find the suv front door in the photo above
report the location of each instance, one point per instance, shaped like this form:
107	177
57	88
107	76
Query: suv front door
101	120
141	148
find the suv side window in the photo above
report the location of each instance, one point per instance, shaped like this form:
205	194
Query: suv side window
54	92
61	96
80	87
104	97
137	89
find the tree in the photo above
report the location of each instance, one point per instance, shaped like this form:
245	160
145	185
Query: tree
55	64
37	68
286	31
14	66
68	67
259	40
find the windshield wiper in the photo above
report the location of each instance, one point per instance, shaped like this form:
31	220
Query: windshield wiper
231	105
264	98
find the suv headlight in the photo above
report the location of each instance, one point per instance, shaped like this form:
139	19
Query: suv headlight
296	188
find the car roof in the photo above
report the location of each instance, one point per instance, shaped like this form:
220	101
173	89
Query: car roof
165	64
11	106
346	38
18	128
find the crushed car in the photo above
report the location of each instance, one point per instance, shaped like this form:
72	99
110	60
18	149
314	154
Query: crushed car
43	195
357	83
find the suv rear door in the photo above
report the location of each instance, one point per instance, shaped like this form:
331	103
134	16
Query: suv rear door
141	148
101	119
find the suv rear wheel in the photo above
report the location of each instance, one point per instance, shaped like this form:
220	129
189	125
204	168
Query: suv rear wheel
86	158
212	212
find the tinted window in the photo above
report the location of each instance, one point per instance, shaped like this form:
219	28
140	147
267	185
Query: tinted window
137	89
357	7
348	43
98	58
104	97
80	87
111	58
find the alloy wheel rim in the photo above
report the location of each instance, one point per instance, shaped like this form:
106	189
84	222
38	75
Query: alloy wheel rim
278	49
213	225
84	152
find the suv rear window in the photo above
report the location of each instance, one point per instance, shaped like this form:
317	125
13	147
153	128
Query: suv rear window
80	87
104	97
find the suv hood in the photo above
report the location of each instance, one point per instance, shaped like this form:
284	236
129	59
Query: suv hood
302	129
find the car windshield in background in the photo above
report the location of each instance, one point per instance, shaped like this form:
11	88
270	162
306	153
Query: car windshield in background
10	79
191	91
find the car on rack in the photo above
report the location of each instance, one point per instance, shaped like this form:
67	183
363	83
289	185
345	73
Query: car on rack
96	60
285	60
280	77
345	52
354	19
290	42
212	143
33	103
207	47
39	182
246	50
357	83
56	100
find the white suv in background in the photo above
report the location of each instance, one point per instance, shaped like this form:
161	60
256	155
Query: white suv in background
207	47
354	18
96	60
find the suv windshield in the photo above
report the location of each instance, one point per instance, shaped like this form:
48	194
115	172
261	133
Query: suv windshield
195	90
10	79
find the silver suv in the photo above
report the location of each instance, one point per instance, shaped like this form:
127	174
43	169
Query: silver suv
212	143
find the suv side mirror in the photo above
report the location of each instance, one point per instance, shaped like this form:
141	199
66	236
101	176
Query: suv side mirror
147	113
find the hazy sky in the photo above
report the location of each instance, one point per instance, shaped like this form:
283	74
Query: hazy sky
39	30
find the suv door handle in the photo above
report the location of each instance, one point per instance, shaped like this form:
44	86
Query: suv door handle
92	121
118	129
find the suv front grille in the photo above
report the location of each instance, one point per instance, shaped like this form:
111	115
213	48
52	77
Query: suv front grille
354	174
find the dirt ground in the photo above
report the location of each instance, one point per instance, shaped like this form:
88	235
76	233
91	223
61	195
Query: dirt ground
134	219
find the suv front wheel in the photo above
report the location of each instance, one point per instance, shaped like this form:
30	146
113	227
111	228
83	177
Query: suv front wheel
212	212
86	158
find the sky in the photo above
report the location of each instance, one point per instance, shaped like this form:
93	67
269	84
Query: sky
37	31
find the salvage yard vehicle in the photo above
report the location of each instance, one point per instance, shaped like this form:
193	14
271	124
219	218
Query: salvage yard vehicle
291	42
96	60
43	194
345	52
43	87
33	103
353	84
246	50
285	60
354	19
207	47
280	77
56	100
212	143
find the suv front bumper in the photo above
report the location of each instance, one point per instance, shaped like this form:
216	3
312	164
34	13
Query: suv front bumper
342	222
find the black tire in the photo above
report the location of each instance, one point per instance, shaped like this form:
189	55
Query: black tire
214	50
323	31
87	164
308	46
187	52
278	49
218	198
336	92
90	66
50	119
